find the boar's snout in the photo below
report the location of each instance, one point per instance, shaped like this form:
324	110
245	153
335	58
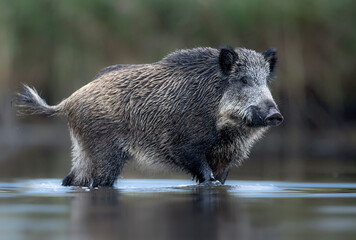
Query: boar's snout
273	118
264	114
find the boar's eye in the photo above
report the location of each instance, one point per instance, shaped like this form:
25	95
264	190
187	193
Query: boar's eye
244	80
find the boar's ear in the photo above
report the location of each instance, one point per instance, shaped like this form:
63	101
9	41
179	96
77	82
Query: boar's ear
227	58
271	56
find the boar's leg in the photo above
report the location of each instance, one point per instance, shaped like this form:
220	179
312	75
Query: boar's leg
67	181
200	169
77	177
96	161
80	174
221	176
108	167
195	163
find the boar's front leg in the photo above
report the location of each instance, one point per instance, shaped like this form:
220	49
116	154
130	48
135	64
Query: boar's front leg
194	162
221	176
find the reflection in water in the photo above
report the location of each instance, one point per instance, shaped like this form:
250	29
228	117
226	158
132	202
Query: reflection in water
205	213
96	213
176	209
219	216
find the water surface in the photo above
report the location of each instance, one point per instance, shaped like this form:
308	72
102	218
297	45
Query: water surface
177	209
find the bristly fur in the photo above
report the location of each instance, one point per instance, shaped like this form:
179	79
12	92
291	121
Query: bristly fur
188	112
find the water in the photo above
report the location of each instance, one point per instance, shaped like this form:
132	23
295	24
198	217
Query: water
177	209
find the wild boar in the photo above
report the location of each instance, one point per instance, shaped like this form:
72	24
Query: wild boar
198	110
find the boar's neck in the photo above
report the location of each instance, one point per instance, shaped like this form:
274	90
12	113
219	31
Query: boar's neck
233	146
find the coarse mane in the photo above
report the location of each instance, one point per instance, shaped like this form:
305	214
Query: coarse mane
191	56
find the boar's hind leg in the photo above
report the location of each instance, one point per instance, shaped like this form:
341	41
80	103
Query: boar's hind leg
67	181
77	177
98	165
80	174
108	167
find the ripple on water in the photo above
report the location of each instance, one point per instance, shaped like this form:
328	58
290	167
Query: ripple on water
249	189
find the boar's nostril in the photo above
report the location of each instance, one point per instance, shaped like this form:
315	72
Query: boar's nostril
274	118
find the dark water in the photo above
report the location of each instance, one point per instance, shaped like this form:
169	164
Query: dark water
177	209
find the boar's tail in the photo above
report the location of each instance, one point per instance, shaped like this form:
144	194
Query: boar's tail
29	102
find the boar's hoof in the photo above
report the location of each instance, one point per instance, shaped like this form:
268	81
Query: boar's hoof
210	183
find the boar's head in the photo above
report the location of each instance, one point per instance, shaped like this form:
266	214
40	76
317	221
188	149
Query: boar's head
247	100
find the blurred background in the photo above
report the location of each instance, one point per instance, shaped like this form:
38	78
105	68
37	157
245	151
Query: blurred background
59	46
